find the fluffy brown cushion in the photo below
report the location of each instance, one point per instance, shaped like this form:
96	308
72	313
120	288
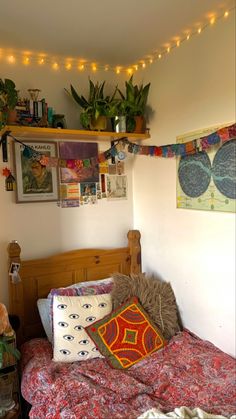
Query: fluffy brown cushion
156	297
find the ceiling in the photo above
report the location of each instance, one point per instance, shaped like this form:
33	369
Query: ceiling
118	33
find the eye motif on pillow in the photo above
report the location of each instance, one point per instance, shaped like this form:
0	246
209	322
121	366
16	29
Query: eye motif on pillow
70	317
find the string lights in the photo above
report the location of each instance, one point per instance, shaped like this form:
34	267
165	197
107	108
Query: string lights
68	64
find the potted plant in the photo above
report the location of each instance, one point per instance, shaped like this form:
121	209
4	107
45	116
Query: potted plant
116	110
7	339
96	108
8	99
135	103
7	347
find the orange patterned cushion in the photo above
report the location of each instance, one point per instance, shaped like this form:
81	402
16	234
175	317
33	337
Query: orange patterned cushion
126	336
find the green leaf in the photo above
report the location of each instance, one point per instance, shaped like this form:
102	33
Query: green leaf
92	90
76	97
10	85
85	120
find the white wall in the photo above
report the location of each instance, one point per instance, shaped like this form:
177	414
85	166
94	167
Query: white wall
191	88
44	228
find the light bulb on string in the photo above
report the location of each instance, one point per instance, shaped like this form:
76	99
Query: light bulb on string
55	66
11	59
26	60
68	66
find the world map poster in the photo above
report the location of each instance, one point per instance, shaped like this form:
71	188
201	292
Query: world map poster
207	180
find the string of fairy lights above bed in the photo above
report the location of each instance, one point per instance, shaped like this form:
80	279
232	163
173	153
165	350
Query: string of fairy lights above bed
64	63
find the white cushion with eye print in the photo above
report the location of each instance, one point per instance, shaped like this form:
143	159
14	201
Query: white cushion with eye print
70	316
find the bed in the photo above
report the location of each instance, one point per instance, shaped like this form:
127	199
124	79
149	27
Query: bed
186	372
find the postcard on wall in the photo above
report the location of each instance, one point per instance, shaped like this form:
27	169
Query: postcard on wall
117	168
69	203
103	167
103	185
35	182
69	191
88	188
116	186
120	167
79	151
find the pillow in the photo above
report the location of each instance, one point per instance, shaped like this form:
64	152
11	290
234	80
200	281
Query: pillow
100	286
44	313
89	283
126	336
70	316
156	297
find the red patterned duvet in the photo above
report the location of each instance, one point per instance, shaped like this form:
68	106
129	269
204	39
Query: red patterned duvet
187	372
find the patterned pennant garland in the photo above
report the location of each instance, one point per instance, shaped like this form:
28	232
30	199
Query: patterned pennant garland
191	147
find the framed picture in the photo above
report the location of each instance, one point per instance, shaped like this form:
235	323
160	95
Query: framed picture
35	182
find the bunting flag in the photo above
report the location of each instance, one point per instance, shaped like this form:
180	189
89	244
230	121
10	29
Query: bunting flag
165	151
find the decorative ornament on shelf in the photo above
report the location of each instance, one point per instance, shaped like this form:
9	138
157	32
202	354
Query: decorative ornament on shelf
34	93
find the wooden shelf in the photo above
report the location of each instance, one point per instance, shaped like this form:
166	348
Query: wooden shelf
36	133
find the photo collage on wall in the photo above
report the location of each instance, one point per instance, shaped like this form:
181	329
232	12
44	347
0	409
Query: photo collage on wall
86	184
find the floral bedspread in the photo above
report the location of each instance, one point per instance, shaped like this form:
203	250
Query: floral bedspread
187	372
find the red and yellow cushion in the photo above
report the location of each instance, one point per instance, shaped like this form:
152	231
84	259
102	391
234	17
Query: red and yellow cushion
126	336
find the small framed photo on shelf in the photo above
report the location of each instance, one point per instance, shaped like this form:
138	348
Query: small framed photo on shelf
14	268
34	181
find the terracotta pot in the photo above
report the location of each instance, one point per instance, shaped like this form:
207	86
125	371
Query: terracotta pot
99	124
140	124
12	116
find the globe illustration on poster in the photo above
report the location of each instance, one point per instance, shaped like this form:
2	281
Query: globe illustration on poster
194	174
207	180
224	169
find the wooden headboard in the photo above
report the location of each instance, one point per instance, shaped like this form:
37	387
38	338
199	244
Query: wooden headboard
39	276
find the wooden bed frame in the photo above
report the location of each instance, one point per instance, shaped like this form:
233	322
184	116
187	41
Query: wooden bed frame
39	276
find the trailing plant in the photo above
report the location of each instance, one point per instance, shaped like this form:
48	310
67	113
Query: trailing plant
8	99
